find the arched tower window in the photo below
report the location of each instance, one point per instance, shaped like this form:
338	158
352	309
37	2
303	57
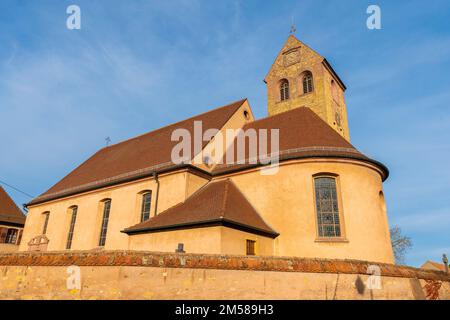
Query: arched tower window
327	207
284	90
308	84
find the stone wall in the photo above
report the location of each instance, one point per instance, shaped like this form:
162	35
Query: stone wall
150	275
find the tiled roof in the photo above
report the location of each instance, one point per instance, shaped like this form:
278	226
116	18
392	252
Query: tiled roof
302	133
134	156
217	203
436	265
9	212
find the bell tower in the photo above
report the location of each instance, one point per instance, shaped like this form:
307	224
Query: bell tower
300	77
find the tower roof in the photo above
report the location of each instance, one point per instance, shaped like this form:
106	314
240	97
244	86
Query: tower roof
9	212
293	42
217	203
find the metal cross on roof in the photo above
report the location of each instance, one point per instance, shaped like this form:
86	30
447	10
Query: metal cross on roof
293	27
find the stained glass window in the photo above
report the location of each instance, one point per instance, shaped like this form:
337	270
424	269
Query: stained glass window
327	207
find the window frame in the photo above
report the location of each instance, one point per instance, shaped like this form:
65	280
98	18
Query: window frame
307	74
73	219
11	236
142	197
253	247
106	214
283	88
46	219
342	236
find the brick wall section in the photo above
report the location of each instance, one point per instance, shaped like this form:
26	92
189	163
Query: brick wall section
220	262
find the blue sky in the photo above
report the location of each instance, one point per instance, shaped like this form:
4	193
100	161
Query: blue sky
138	65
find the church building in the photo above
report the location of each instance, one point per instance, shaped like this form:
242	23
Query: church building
324	199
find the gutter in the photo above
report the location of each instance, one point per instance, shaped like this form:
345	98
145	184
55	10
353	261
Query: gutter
210	175
155	176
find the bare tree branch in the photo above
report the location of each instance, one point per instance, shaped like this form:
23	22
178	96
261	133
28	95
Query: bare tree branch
400	244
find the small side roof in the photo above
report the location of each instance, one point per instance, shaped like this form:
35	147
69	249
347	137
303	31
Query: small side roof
9	212
217	203
433	265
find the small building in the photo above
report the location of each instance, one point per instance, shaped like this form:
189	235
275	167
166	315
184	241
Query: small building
12	221
432	265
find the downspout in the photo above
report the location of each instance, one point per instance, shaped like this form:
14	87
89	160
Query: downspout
155	176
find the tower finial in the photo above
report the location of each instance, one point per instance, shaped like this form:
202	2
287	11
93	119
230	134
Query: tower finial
293	27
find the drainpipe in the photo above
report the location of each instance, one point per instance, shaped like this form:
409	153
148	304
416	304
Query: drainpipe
155	176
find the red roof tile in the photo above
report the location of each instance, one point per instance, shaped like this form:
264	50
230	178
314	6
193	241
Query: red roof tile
302	133
9	212
217	203
133	156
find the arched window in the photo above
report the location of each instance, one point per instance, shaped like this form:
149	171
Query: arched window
73	218
284	90
106	210
327	207
308	84
146	205
46	217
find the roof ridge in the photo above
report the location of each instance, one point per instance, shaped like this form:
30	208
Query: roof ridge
241	101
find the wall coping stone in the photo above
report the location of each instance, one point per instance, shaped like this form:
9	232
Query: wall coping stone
103	258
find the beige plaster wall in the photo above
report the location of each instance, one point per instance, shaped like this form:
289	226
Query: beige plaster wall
208	240
235	242
284	200
6	247
286	203
199	240
125	212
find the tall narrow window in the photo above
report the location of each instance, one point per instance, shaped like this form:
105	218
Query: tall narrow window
251	247
146	205
73	219
105	220
308	82
284	90
11	236
46	217
327	207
